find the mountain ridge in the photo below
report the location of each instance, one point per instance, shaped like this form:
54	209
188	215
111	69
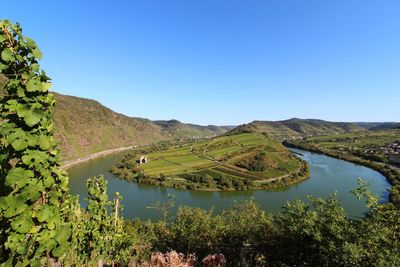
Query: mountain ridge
297	128
84	126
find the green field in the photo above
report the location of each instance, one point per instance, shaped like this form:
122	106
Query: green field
244	161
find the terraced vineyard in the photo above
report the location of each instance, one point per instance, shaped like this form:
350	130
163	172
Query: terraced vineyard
235	162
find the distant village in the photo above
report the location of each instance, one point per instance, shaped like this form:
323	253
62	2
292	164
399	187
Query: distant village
390	151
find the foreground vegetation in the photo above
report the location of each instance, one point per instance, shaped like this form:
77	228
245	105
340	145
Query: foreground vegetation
303	234
234	162
377	150
42	225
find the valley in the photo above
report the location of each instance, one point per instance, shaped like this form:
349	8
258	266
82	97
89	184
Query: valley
84	127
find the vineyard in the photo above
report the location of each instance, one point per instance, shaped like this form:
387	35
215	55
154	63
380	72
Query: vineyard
231	162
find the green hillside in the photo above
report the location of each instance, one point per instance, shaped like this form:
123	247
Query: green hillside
235	162
84	126
184	130
378	126
297	128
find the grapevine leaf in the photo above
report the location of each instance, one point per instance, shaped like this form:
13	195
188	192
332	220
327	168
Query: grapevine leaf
7	55
48	181
21	249
18	139
44	142
44	213
46	86
30	42
15	206
63	234
3	203
33	158
18	177
19	144
32	118
33	85
3	67
60	250
23	223
53	221
37	53
32	191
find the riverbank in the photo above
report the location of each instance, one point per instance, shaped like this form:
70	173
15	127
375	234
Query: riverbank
68	164
391	173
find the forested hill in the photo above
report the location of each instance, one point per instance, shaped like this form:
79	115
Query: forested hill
377	126
180	129
84	127
295	128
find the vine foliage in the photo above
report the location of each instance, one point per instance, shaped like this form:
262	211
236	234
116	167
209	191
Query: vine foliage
33	190
101	237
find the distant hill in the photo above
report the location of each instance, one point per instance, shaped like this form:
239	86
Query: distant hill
296	128
84	126
180	129
377	126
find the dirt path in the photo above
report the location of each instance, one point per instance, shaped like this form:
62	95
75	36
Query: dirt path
69	164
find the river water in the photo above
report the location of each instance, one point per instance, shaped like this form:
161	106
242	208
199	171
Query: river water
328	175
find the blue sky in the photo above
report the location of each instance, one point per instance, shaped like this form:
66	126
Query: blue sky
222	62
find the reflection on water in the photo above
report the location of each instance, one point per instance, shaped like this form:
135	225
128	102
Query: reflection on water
328	175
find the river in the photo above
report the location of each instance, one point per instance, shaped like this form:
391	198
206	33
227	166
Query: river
328	175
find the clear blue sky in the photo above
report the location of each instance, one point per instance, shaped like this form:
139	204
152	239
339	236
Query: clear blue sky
222	62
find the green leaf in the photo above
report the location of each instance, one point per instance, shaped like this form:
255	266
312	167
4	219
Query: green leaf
63	234
7	55
18	178
46	86
54	221
32	191
19	144
33	158
34	85
44	142
37	53
15	206
23	223
3	67
44	213
21	249
48	181
32	117
35	67
61	250
3	203
30	42
18	139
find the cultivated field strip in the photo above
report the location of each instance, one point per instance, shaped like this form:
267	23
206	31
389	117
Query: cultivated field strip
220	156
